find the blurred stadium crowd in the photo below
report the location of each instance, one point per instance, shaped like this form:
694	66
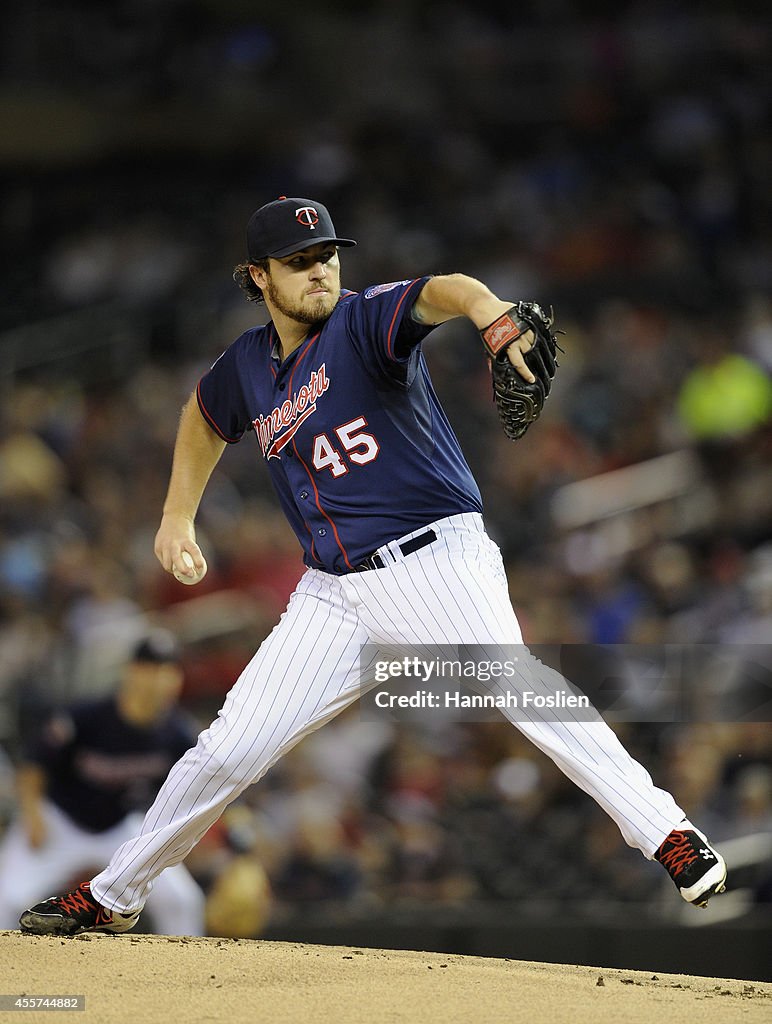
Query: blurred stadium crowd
616	165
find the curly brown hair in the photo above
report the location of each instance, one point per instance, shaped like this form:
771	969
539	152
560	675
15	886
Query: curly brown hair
243	279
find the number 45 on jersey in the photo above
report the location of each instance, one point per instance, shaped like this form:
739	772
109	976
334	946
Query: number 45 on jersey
354	443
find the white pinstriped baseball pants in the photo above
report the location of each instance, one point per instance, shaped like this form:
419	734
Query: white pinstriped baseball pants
453	591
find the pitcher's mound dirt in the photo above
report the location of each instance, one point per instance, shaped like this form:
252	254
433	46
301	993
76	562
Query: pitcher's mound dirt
151	979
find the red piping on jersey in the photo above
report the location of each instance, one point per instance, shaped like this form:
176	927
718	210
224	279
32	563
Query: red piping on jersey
272	330
210	420
316	498
394	318
302	355
305	467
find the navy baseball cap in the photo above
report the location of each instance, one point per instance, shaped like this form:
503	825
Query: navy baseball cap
288	225
159	647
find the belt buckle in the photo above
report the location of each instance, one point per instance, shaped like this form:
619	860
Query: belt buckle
373	561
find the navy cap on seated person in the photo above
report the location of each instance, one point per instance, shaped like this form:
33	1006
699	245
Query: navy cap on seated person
289	225
158	647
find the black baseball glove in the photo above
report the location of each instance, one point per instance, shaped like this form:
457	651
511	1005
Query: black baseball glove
518	402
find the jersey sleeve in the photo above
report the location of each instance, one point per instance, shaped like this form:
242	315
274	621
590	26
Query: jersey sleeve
383	330
220	395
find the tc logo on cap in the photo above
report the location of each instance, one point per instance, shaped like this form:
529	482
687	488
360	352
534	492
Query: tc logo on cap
307	216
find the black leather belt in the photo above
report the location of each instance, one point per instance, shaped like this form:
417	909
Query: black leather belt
374	561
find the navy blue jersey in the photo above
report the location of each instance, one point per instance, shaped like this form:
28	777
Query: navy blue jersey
358	447
99	767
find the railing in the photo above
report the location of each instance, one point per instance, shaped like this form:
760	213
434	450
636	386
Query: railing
107	337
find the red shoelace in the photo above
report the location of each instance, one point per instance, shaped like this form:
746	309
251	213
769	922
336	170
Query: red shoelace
680	854
81	899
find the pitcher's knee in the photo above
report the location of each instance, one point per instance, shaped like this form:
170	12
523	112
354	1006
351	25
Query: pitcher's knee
236	758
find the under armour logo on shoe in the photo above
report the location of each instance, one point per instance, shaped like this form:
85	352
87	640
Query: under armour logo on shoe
707	854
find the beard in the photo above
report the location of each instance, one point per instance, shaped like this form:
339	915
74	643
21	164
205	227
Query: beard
312	311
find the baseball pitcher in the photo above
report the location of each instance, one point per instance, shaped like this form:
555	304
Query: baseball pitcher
336	397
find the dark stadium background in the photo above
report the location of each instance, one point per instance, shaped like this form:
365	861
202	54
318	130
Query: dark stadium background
615	164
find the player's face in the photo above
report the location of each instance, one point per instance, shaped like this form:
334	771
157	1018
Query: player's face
304	286
152	690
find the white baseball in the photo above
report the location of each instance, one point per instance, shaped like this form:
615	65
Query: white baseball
196	577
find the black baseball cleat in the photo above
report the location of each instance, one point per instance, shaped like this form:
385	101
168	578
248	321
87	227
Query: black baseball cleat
75	912
698	870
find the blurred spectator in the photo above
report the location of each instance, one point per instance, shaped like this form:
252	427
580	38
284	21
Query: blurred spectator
90	772
726	396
